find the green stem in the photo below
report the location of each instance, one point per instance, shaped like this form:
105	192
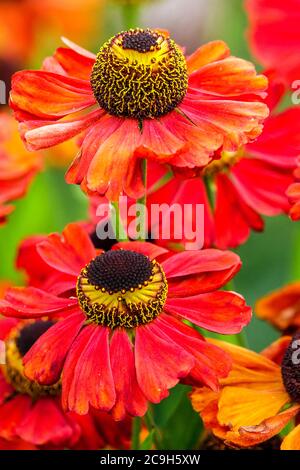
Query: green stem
143	200
151	426
136	430
130	14
120	232
210	191
161	182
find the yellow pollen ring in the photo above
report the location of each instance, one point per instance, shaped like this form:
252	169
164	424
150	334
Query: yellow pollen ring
129	309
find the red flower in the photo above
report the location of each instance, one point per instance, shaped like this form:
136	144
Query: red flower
31	415
138	98
244	185
17	166
121	340
275	36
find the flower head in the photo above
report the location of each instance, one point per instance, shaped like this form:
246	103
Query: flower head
258	399
120	315
140	97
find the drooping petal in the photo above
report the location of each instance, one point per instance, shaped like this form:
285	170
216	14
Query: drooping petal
129	397
45	359
38	134
211	362
159	363
87	377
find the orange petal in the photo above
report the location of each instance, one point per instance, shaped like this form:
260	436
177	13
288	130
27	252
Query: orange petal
210	52
292	440
282	307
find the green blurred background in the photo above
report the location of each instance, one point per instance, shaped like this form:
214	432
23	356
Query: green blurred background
270	259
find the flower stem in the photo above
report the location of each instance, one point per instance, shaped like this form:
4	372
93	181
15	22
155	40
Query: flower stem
210	191
151	426
120	233
136	430
130	15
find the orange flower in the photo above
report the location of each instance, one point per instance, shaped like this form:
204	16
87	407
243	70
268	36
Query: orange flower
17	166
24	21
140	97
257	399
281	307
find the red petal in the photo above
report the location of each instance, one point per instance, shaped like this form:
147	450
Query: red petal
194	272
262	186
45	359
68	252
70	62
87	378
222	312
38	134
210	52
212	363
12	413
49	95
45	423
233	217
160	363
130	398
29	302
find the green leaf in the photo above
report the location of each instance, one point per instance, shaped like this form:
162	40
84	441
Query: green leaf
180	426
147	443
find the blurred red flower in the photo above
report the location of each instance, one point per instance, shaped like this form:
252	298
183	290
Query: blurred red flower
17	166
121	340
126	109
274	35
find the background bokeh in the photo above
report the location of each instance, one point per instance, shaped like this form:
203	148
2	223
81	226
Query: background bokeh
269	260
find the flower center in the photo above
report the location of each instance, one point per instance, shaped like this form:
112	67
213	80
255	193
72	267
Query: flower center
122	288
290	368
20	341
227	160
140	74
